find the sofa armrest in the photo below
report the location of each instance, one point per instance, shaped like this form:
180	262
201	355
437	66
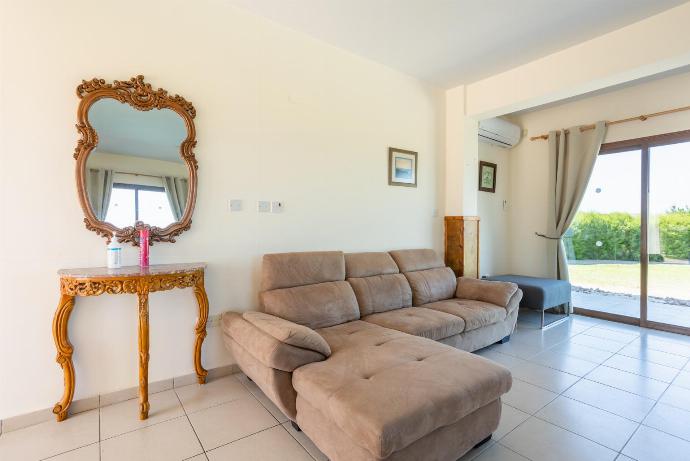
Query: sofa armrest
514	302
288	332
489	291
275	342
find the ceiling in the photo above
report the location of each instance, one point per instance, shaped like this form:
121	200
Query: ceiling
122	129
449	42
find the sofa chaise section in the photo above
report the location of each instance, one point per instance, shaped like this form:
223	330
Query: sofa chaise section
324	351
382	393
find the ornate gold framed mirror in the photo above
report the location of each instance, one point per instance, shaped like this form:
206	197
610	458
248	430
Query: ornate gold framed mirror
135	164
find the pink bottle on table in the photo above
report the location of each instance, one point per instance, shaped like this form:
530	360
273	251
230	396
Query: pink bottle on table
144	247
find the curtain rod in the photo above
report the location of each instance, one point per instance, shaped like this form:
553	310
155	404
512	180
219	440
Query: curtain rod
641	118
137	174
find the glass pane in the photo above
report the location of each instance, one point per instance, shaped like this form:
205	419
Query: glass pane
154	208
603	242
121	208
669	235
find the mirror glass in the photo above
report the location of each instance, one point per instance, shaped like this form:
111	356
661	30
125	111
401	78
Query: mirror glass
135	172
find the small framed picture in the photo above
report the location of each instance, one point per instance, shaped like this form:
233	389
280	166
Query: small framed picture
402	167
487	177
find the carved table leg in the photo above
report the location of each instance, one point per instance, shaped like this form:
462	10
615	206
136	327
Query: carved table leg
143	354
202	300
64	353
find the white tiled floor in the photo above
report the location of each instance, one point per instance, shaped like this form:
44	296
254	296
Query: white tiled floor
585	389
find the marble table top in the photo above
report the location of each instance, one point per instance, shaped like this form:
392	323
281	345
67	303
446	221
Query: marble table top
131	271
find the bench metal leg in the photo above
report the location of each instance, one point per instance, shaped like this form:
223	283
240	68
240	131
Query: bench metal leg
556	322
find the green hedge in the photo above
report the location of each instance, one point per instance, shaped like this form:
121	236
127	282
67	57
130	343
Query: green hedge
674	230
619	234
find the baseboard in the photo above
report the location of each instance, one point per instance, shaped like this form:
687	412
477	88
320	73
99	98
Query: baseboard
103	400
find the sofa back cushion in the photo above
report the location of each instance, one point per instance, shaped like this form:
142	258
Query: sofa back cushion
359	265
416	260
431	285
377	283
308	288
489	291
286	270
316	306
428	276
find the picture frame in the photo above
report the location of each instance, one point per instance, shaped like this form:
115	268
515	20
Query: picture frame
487	176
402	167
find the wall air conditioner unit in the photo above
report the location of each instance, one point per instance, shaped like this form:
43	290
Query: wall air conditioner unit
499	132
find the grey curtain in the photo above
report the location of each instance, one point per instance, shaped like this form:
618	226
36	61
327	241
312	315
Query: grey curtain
572	155
99	185
176	190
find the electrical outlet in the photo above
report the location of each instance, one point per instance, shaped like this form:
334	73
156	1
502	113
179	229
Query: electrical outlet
213	321
277	207
263	206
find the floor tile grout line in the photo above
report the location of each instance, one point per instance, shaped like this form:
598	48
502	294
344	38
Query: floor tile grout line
70	451
627	372
626	391
256	398
260	402
203	450
586	403
650	361
537	363
298	442
638	374
216	404
600	409
143	427
242	438
580	435
498	442
630	438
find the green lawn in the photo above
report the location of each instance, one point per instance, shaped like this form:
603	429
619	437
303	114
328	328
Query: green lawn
665	280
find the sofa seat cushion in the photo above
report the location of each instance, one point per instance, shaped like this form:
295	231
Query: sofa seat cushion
419	321
358	333
476	314
388	394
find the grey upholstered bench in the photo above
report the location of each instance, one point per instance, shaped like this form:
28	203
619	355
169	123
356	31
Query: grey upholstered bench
540	293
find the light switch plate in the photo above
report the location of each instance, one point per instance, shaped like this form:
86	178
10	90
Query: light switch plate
235	205
263	206
277	206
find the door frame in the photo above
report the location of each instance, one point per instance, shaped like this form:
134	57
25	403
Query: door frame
644	145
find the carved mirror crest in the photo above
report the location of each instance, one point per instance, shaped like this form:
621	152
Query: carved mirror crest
135	165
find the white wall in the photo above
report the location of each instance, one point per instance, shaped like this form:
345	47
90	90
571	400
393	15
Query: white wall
656	44
279	116
493	210
529	159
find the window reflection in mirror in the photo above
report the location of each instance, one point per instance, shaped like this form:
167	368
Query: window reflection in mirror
136	173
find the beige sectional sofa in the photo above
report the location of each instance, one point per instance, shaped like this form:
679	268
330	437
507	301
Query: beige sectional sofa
354	348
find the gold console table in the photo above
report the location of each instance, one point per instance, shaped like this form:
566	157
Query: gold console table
127	280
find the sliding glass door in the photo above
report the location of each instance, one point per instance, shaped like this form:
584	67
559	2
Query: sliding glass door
603	243
629	245
668	279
